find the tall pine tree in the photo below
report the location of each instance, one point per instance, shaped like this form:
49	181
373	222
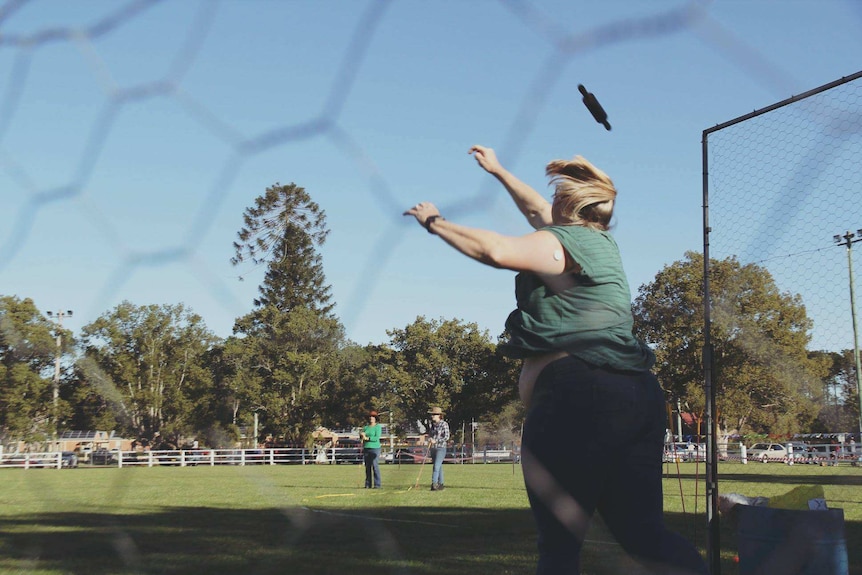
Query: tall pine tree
283	231
288	344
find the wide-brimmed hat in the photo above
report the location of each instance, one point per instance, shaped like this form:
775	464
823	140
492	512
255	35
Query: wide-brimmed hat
435	411
372	413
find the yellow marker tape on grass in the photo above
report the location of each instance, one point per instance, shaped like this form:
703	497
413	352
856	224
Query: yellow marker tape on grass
335	495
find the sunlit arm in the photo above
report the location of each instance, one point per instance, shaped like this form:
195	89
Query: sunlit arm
539	252
531	203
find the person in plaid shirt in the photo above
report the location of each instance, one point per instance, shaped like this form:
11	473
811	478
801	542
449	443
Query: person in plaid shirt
438	438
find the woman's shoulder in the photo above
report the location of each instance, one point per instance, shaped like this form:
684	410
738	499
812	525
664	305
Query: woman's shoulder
575	230
588	238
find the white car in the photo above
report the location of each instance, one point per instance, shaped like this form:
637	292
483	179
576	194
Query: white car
684	452
765	452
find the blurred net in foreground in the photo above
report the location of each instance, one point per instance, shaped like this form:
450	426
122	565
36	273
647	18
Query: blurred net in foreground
118	97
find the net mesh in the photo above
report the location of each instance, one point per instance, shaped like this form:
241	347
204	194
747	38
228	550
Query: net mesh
782	184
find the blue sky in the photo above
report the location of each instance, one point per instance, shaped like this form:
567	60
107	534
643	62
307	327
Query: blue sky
134	134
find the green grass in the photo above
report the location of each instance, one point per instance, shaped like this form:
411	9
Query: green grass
318	519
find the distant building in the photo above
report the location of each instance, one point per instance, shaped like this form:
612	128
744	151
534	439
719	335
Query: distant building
86	441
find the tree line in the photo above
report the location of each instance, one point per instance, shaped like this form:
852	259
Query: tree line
146	369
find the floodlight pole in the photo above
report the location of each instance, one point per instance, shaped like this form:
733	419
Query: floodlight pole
849	238
58	315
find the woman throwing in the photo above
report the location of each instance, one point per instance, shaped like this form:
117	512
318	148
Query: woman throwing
583	369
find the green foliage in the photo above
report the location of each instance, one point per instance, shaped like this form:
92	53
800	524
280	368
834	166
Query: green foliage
145	368
283	230
504	427
764	377
284	364
285	368
362	383
450	364
840	406
27	353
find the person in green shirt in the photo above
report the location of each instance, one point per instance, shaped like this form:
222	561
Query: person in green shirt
370	435
584	374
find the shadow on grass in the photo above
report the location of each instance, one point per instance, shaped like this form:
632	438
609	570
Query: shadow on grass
397	540
296	540
812	478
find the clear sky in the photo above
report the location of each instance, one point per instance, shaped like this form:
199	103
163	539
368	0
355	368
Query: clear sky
134	134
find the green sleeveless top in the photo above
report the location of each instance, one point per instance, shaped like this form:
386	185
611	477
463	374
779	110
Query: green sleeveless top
586	312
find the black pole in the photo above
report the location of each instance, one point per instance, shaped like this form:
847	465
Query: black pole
713	543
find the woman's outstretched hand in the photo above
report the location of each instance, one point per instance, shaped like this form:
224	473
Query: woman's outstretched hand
486	158
422	211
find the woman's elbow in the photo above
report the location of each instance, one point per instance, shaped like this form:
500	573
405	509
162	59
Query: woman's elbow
494	256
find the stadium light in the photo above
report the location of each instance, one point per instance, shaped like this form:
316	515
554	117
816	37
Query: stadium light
847	240
58	316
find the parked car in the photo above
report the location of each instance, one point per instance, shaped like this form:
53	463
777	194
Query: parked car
69	459
195	456
801	452
23	460
495	454
824	454
103	457
460	454
348	451
413	454
684	451
766	452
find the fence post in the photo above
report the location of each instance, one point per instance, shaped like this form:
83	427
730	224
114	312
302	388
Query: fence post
789	454
743	454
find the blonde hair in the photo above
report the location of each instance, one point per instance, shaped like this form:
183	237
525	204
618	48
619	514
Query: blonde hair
584	195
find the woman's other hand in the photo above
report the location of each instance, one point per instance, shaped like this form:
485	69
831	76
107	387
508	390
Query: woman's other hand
487	158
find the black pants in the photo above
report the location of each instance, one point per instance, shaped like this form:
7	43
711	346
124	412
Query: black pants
593	440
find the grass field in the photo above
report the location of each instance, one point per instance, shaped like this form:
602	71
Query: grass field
318	519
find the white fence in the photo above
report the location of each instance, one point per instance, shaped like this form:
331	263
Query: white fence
280	456
825	454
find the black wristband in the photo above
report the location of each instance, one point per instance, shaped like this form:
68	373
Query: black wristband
430	220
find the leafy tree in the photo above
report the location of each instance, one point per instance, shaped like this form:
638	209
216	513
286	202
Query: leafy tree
375	380
505	427
840	406
27	353
365	380
145	368
765	380
291	360
287	347
453	365
235	386
282	231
